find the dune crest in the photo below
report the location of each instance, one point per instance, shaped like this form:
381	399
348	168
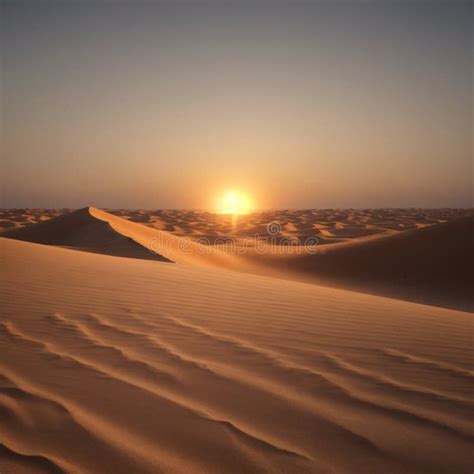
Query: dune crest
429	265
83	230
93	230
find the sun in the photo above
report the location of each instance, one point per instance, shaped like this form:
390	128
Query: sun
234	202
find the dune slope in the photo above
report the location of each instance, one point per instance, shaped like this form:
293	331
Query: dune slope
82	230
431	265
171	368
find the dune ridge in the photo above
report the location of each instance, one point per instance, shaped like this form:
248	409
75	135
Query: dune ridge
328	225
166	368
429	265
82	230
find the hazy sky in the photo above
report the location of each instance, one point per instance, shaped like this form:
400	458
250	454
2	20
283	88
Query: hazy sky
298	104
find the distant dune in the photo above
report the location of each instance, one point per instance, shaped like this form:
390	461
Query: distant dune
429	265
97	231
328	225
127	365
82	230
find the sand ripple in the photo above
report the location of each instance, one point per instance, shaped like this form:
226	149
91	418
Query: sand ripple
150	367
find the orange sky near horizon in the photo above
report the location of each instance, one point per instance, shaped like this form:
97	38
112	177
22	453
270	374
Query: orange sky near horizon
293	104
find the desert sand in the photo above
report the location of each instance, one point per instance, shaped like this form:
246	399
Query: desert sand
427	260
328	225
195	358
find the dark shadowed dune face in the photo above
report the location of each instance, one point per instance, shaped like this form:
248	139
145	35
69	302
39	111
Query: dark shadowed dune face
82	231
431	265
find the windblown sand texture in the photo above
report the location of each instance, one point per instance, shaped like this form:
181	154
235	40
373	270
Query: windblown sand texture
211	364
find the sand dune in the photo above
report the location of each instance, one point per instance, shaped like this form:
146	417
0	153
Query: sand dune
82	230
429	265
153	367
97	231
329	225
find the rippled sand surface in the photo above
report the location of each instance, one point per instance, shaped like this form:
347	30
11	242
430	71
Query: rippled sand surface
140	365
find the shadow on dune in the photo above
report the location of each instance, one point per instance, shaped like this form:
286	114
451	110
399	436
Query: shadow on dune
431	265
80	230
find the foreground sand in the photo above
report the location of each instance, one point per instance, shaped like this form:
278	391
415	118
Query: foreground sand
117	365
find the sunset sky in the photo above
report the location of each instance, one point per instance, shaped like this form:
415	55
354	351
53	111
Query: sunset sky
295	104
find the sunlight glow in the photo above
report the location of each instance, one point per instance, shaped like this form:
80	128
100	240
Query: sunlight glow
234	202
